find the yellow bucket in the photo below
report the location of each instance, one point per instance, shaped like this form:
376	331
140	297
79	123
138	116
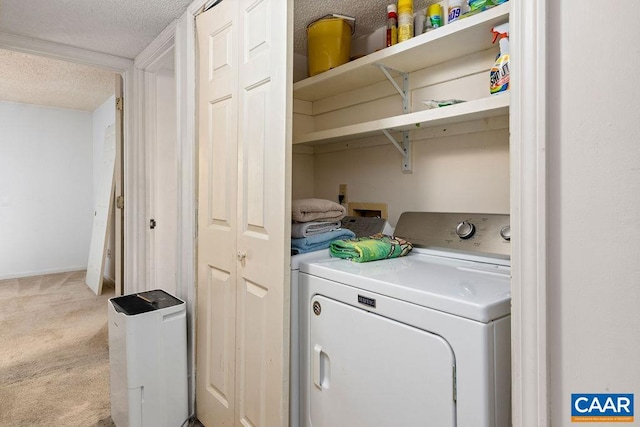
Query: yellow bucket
328	44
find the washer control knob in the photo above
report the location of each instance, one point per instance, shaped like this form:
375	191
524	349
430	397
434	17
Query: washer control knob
505	232
465	230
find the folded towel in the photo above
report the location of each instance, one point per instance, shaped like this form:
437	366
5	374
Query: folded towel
307	229
306	210
363	249
319	241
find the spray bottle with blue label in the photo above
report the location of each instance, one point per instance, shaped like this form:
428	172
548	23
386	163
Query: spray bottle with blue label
499	75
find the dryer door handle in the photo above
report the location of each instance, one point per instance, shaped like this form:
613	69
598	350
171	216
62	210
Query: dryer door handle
320	367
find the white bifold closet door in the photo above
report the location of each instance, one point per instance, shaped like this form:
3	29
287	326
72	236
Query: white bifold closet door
242	331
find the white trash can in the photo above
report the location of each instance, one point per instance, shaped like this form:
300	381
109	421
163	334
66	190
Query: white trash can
148	360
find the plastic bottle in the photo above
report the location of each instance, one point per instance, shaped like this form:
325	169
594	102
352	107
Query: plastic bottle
499	74
455	10
434	17
418	23
405	20
392	25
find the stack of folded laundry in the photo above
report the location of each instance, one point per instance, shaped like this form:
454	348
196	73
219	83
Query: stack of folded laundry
372	248
316	223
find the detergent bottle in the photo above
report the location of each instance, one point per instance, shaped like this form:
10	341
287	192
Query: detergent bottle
499	74
405	20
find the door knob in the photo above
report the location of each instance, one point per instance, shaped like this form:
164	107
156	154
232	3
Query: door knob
241	256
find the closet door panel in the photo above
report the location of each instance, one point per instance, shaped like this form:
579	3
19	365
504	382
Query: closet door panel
254	159
263	216
217	215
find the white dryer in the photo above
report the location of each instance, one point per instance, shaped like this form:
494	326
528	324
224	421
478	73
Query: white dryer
294	389
422	340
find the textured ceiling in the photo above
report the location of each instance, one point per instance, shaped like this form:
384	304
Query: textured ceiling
370	15
118	27
122	28
43	81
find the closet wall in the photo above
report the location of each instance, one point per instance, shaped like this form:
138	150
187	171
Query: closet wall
452	174
456	168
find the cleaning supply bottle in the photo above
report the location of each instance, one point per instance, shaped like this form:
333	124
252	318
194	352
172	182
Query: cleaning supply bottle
499	74
434	17
455	10
405	20
392	25
418	22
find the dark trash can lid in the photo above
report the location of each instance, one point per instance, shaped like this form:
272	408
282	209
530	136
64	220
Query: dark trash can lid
144	302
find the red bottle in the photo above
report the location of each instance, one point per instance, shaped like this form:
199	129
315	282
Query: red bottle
392	25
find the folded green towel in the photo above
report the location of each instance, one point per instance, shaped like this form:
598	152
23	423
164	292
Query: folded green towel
363	249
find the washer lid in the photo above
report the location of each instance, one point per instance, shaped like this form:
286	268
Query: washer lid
474	290
296	260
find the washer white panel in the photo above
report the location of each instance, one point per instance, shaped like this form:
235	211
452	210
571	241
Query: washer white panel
482	367
294	390
368	370
476	291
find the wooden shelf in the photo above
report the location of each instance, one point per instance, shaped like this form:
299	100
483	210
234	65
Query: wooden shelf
451	41
494	106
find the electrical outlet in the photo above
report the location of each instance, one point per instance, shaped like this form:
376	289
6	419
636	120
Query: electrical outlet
342	193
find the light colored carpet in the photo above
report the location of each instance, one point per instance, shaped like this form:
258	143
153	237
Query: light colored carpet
54	355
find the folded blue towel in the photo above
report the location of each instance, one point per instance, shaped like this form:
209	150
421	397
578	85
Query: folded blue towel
308	229
319	241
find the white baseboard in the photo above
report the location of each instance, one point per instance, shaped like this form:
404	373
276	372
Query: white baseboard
42	272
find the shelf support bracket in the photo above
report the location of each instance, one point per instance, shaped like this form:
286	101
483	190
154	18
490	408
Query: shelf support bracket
393	141
404	149
404	90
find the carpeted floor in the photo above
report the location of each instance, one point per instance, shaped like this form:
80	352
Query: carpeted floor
54	355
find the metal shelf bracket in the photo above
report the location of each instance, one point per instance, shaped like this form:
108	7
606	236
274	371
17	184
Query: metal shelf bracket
404	149
404	90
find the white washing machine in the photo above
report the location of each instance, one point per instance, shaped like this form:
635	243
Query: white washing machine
422	340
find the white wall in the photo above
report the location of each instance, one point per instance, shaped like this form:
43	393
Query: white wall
465	171
454	174
102	117
594	204
45	189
